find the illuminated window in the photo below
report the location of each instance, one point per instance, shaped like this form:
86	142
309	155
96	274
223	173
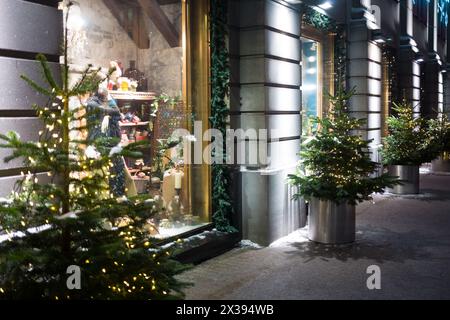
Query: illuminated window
311	72
147	42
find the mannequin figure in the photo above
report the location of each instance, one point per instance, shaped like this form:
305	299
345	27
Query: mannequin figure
103	118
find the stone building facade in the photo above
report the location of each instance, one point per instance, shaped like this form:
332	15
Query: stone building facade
394	50
392	54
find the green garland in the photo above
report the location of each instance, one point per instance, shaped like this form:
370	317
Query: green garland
220	79
317	19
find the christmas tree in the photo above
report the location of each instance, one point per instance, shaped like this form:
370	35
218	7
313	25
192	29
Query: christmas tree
408	142
335	162
440	136
72	221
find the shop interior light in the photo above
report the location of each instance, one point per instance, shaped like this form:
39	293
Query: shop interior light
309	87
75	21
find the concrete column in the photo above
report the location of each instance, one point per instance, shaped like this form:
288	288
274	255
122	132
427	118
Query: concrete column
266	95
433	81
446	106
364	72
408	67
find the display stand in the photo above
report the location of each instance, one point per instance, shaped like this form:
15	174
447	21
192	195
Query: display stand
137	125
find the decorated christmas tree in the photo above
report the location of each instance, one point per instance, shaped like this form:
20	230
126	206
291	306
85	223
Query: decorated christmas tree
408	142
335	161
440	136
67	234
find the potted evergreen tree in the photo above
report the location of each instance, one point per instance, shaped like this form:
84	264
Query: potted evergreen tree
440	143
406	148
336	173
65	232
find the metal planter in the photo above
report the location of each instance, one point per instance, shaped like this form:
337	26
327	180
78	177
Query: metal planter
331	223
410	178
441	164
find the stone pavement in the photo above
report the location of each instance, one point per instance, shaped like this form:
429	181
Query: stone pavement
407	237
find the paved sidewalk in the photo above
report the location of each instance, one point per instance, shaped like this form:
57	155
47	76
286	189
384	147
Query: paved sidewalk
408	237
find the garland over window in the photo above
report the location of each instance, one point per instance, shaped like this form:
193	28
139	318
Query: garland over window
220	79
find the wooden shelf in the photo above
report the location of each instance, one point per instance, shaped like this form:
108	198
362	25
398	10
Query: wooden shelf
133	96
134	124
145	169
140	179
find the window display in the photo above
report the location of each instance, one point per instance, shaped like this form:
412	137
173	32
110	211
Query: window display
141	48
311	85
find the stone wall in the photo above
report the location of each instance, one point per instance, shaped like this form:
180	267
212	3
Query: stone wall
162	64
102	39
266	79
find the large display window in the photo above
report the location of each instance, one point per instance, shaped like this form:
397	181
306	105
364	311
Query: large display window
154	90
318	73
311	72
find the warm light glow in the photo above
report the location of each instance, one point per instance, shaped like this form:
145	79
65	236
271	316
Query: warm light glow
75	21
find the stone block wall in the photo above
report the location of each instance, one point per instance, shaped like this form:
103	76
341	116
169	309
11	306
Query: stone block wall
266	76
27	28
103	39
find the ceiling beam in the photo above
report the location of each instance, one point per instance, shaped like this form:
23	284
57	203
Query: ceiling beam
163	2
136	28
153	10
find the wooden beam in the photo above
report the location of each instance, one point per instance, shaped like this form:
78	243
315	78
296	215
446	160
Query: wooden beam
136	31
163	2
159	18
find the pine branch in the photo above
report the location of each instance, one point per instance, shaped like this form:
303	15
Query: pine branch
36	87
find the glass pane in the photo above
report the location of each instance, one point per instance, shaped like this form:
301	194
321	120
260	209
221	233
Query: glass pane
310	77
142	41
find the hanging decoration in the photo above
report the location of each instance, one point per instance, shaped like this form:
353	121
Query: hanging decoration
220	79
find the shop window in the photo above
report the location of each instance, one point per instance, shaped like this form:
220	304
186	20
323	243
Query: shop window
311	71
389	85
147	42
318	74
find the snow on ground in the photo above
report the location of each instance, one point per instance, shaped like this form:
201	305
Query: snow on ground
298	236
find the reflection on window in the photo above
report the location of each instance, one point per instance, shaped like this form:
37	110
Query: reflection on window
142	40
310	78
